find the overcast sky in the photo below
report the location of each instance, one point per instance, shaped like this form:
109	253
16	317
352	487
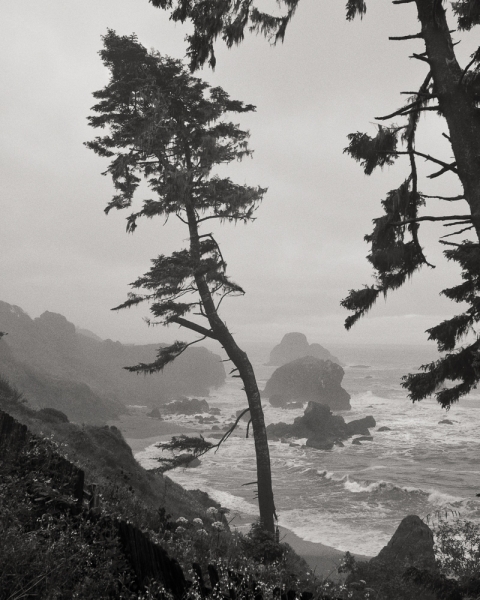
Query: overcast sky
59	252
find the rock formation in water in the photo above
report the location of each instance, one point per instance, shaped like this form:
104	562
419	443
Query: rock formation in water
295	345
186	406
57	366
322	429
309	379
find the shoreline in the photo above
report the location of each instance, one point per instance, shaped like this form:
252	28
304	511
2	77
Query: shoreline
140	433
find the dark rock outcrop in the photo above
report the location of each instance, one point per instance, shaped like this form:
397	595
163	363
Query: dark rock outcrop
363	438
295	345
309	379
410	546
322	429
361	426
155	414
445	422
384	428
186	406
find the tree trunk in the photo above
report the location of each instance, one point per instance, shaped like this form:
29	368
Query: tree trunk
242	363
456	101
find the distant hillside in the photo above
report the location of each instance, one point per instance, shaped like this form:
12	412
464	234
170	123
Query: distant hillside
82	375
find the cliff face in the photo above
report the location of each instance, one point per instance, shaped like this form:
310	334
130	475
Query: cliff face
295	345
310	379
82	375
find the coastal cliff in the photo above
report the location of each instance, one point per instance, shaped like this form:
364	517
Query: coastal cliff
56	365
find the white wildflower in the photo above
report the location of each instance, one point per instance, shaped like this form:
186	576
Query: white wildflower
212	511
180	529
198	522
217	525
202	532
182	521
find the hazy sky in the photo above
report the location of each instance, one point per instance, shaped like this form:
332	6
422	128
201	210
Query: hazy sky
59	252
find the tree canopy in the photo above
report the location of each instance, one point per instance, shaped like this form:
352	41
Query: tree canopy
170	129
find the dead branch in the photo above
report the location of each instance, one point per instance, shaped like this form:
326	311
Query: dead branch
231	429
447	198
406	37
457	232
450	167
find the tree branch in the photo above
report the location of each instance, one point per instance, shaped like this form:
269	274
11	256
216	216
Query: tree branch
194	327
399	111
431	218
450	167
420	57
406	37
457	232
404	111
423	94
229	432
447	198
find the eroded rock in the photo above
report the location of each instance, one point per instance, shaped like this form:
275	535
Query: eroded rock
309	379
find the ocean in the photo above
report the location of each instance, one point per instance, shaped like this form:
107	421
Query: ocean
351	498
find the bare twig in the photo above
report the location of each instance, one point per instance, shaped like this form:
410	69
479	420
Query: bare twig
457	232
406	37
229	432
420	57
447	198
446	168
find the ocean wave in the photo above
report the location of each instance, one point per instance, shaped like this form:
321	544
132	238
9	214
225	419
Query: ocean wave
441	499
387	488
331	476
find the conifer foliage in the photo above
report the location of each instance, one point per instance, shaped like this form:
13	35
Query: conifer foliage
170	128
451	91
395	253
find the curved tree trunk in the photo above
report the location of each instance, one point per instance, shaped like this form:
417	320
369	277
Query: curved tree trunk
245	369
456	101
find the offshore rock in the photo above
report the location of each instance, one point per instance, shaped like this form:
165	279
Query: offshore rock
186	406
309	379
295	345
361	426
322	429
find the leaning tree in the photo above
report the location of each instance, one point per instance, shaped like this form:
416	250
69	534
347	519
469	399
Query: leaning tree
170	128
451	91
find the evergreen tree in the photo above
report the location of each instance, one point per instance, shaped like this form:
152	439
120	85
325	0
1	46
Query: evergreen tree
168	127
451	91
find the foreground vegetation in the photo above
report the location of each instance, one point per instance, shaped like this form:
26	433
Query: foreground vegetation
59	542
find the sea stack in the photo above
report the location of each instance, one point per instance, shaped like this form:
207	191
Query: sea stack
295	345
309	379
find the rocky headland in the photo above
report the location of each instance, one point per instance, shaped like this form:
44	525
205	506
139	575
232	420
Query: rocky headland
295	345
57	365
322	429
308	379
